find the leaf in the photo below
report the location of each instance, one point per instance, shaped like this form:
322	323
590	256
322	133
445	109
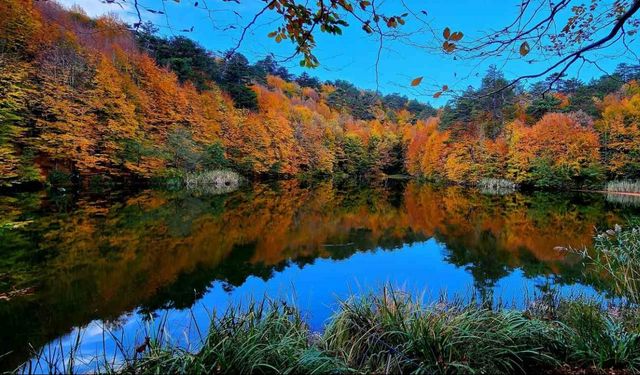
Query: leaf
437	95
446	33
524	49
445	88
448	47
364	4
272	34
416	81
457	36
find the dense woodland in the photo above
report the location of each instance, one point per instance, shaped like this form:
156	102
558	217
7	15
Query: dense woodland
86	99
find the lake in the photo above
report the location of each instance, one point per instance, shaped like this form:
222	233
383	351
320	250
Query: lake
126	260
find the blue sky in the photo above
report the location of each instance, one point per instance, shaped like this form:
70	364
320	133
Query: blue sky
352	56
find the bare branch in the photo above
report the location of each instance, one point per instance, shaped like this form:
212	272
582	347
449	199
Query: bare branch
248	26
568	60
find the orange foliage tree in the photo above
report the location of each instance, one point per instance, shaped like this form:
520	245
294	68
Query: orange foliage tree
619	131
555	152
427	150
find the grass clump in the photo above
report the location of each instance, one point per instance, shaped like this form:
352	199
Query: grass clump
267	337
616	254
599	338
392	333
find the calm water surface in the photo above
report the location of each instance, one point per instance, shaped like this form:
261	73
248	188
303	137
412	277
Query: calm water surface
78	263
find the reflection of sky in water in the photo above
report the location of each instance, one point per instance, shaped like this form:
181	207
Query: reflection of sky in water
420	268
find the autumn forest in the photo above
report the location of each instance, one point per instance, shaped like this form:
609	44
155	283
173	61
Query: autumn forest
86	99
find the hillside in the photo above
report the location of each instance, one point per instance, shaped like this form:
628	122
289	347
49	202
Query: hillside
87	99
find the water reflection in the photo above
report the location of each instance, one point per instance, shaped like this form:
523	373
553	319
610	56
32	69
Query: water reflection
98	256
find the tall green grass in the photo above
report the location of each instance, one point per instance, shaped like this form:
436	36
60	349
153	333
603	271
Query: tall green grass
616	254
267	337
393	332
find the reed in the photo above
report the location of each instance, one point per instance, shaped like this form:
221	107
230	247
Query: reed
268	336
616	253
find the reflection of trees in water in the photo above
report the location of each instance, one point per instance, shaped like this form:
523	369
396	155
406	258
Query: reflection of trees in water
96	257
624	199
485	264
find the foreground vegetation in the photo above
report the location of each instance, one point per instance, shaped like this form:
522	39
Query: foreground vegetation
391	332
616	254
